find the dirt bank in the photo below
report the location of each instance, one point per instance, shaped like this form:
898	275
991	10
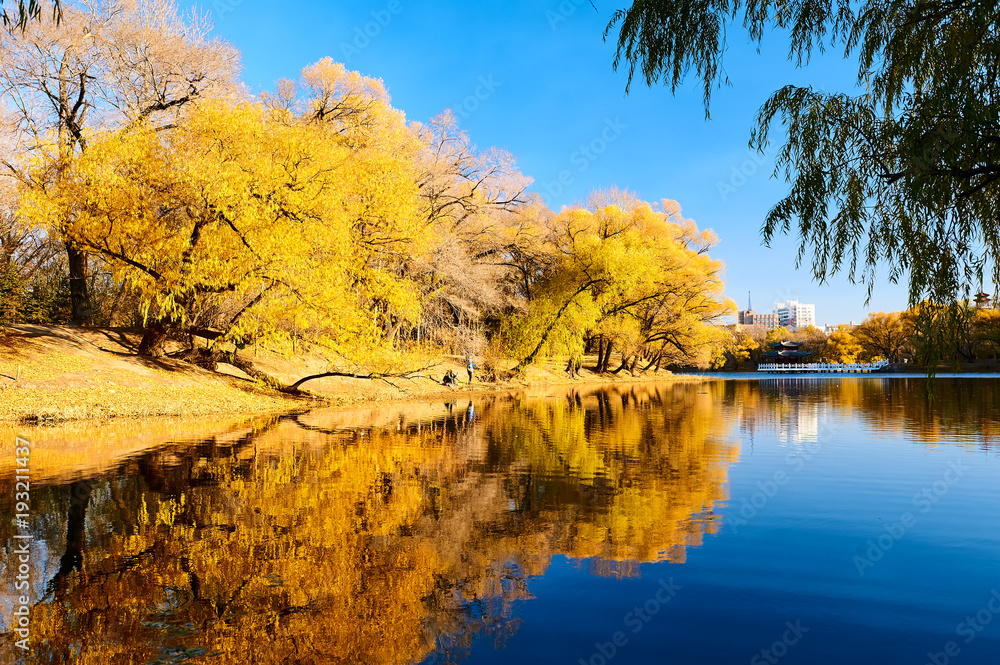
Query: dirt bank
59	373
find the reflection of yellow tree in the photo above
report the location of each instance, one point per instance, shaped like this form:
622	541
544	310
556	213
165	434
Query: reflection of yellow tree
961	410
286	558
622	476
378	545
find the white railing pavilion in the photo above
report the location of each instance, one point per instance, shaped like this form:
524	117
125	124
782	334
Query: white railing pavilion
823	367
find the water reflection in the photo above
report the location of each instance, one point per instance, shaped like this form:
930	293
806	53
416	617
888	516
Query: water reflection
401	534
962	409
386	537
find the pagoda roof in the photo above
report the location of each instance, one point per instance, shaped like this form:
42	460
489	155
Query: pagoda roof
786	345
787	354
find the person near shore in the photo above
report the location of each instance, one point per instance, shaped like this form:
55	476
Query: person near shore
449	378
470	367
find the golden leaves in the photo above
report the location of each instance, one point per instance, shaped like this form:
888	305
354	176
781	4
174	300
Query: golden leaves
279	223
627	272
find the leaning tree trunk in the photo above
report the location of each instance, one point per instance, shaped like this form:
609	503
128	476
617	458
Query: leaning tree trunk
153	340
82	310
530	358
247	367
624	364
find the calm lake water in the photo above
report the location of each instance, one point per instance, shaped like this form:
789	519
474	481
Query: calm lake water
759	520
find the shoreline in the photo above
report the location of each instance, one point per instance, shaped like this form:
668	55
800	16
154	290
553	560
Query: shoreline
51	375
94	406
58	374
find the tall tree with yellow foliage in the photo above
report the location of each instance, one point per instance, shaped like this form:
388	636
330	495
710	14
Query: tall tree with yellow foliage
106	64
253	224
884	335
843	346
637	279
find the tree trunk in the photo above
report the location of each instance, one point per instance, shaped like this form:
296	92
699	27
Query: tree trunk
76	535
153	340
82	314
248	368
624	364
548	330
600	354
602	366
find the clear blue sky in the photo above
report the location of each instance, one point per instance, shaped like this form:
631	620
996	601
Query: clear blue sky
546	88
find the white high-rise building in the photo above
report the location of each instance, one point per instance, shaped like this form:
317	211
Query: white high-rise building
793	314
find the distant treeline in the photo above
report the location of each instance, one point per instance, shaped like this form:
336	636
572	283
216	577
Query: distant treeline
924	335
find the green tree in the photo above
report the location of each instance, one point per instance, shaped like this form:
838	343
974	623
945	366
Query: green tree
904	173
27	11
986	332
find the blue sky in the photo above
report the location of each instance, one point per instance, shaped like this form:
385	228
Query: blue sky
536	79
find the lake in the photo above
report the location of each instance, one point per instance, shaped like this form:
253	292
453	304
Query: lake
821	519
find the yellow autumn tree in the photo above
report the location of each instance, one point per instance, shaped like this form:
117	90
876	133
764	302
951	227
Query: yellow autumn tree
638	279
884	335
842	346
250	223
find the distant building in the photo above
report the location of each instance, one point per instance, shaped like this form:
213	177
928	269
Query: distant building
769	321
793	314
829	330
748	317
